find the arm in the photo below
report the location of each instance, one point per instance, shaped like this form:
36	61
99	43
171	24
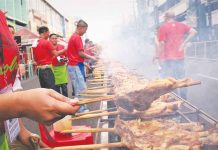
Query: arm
53	51
161	38
25	135
161	47
42	105
84	55
191	34
157	46
57	53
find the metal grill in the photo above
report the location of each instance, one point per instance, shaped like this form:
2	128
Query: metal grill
187	113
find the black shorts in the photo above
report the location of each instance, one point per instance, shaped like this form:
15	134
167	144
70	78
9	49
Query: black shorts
46	78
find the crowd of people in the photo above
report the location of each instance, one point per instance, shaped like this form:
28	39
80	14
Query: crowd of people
54	62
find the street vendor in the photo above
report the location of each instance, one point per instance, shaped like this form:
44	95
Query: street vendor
43	105
44	52
59	67
76	56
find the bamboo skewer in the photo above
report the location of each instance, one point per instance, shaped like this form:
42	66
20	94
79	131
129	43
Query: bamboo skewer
95	115
93	112
96	91
88	130
87	101
192	83
100	87
94	83
98	73
92	95
87	147
98	77
96	80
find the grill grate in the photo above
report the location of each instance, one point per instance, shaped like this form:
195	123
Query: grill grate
187	113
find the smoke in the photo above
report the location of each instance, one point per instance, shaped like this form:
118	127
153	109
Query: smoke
132	50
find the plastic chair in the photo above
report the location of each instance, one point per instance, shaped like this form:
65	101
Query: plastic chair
57	139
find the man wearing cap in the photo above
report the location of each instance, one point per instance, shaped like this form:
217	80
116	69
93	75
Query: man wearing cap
171	36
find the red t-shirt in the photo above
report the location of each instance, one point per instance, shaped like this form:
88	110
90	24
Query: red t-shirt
172	34
55	62
9	54
88	50
75	44
42	52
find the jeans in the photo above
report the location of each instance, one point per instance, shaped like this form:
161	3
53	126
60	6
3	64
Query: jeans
62	89
77	79
82	69
46	78
175	69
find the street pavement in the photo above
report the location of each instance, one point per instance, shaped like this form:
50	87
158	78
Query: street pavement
204	96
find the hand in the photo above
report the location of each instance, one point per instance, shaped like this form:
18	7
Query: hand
181	48
32	141
65	46
43	105
19	45
73	102
94	58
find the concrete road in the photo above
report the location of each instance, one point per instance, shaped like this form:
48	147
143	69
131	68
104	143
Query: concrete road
204	96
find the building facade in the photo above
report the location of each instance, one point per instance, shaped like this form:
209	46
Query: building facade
41	12
16	12
27	16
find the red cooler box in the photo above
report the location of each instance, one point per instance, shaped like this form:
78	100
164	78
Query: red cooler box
56	139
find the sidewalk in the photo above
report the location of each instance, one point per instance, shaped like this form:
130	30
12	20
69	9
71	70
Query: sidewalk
30	83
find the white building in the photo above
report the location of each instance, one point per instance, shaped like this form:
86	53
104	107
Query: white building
41	12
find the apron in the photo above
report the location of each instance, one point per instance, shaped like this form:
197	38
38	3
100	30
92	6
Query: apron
60	74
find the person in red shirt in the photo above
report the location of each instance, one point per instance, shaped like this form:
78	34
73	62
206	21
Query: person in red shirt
43	105
44	52
171	36
76	56
89	49
59	67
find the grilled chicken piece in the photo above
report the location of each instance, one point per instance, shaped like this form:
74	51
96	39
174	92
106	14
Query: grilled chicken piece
156	108
211	139
142	99
164	135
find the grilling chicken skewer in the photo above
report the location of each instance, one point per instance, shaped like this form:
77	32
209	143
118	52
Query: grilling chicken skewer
141	100
157	108
159	135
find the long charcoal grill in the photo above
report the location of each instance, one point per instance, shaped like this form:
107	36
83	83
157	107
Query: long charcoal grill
187	113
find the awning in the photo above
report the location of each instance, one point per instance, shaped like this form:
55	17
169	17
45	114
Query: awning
27	37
